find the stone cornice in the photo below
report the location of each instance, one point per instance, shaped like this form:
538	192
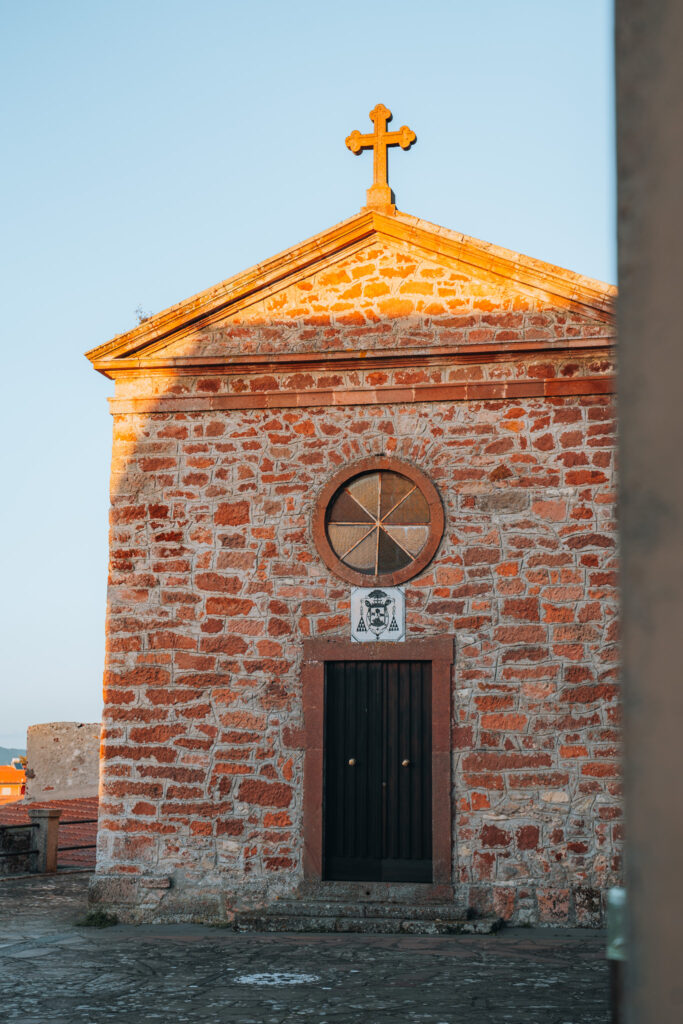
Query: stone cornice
512	390
562	287
363	359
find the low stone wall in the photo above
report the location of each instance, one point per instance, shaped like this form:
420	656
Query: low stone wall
15	849
63	761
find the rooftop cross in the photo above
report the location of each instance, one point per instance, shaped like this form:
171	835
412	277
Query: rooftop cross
379	195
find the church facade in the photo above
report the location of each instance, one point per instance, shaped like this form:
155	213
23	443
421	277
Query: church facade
362	607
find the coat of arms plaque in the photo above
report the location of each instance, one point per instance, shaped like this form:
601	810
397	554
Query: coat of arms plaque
378	613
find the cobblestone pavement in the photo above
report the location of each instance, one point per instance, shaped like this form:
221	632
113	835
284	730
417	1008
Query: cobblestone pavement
52	971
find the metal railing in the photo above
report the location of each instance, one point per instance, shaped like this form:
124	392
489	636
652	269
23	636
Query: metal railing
80	846
41	831
40	840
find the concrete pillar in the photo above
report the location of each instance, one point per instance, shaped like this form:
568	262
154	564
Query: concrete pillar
649	41
45	837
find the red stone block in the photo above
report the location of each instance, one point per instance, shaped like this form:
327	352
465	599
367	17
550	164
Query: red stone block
155	733
584	540
113	752
505	761
527	837
130	788
585	476
192	743
484	865
573	751
525	654
514	723
590	694
113	695
212	581
491	835
504	903
171	696
494	703
277	819
485	780
525	608
602	769
553	906
534	780
480	555
552	511
266	794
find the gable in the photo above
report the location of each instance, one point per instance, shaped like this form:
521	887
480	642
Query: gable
385	295
372	283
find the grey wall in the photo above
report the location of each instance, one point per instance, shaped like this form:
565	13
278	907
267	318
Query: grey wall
649	38
63	760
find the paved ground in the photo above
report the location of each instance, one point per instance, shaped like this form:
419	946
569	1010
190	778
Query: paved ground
52	972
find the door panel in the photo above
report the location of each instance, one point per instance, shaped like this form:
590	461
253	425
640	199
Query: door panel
377	811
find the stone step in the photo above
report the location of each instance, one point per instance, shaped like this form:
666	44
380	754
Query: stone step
337	908
266	922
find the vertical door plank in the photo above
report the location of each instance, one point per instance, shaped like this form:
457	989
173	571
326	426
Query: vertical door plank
426	680
404	809
375	760
349	773
416	755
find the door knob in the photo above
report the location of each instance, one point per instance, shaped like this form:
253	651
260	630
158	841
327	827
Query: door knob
352	762
405	763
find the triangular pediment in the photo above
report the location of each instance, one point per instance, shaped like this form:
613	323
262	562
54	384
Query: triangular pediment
374	281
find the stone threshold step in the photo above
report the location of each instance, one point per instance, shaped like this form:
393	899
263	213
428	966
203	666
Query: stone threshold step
364	925
324	908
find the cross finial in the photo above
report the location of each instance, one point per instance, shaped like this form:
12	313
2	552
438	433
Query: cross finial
379	195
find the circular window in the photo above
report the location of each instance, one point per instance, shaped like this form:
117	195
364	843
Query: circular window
378	522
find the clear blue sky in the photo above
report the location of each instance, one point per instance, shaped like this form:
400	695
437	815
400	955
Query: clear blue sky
155	147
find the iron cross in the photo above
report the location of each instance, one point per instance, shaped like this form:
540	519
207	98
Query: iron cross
379	195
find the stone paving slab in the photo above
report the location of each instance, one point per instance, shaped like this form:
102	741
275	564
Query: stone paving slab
52	972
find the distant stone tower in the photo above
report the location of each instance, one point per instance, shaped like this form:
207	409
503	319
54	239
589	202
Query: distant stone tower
63	760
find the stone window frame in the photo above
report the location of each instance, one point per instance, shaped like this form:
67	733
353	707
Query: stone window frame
440	651
436	525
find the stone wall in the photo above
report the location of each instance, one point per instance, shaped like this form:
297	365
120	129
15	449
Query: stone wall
63	760
215	580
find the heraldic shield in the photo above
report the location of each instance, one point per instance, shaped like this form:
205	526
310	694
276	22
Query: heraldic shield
378	614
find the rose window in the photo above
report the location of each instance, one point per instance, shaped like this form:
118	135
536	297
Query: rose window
382	524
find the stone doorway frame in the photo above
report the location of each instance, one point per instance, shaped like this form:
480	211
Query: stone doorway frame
440	651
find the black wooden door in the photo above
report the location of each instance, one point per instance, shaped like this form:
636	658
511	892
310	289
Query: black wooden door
377	809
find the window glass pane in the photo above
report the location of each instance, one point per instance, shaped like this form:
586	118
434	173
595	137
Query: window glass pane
391	556
413	510
394	488
363	557
345	510
411	538
365	490
343	538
